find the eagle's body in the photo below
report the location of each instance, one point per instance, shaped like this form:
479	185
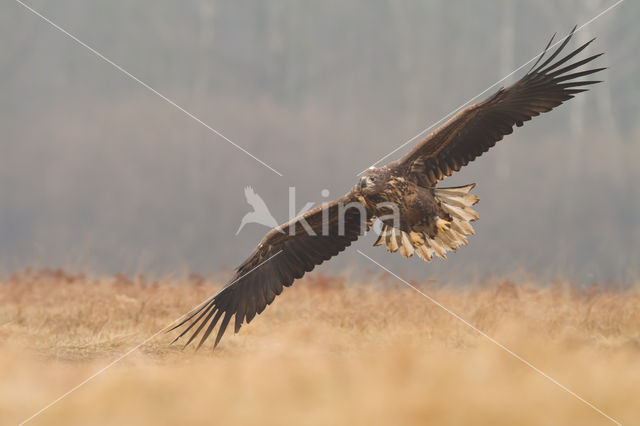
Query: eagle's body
414	201
428	221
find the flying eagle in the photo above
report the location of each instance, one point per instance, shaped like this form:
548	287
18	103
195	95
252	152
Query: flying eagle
431	221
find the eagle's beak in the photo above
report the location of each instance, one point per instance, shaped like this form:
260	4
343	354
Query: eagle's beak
363	182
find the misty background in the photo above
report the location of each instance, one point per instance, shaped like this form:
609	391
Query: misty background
98	174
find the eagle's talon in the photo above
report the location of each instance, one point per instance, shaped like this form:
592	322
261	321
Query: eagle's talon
416	239
443	225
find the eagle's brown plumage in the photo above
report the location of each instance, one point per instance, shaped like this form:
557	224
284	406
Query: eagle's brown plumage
281	257
475	129
432	220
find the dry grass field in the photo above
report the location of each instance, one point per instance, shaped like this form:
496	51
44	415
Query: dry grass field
326	352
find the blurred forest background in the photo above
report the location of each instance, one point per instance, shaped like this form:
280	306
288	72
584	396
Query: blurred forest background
98	174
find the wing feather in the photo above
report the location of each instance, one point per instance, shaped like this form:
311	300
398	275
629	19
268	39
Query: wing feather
279	259
474	130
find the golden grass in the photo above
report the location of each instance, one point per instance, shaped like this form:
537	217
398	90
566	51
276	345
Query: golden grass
324	353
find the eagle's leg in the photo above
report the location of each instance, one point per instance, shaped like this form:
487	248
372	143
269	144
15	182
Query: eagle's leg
442	225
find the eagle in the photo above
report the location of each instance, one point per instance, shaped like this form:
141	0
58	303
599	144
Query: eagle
416	217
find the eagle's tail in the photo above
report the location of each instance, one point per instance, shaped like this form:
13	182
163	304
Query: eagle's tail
442	236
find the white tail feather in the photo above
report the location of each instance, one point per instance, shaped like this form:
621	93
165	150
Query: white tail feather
424	252
407	248
393	241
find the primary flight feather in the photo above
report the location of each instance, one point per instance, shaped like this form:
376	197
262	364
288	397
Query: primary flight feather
430	220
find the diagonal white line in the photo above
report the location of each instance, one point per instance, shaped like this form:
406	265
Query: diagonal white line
142	83
489	88
130	351
495	342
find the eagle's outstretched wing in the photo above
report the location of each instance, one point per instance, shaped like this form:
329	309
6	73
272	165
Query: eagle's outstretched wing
477	128
279	259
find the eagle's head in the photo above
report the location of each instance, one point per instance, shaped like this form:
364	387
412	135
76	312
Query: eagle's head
373	181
